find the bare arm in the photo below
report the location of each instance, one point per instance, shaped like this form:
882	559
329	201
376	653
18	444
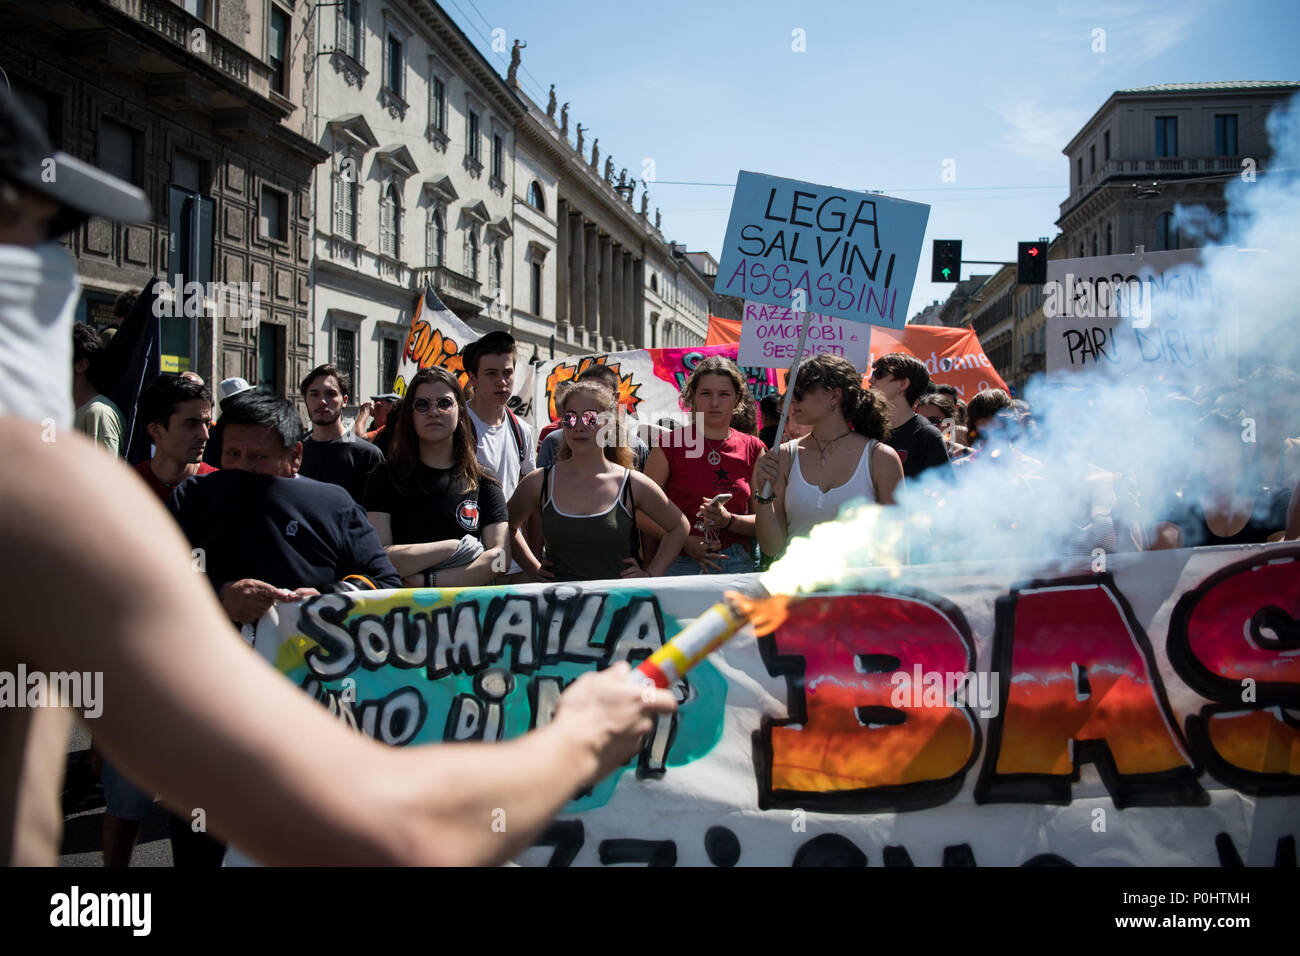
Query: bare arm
522	506
771	524
275	772
886	473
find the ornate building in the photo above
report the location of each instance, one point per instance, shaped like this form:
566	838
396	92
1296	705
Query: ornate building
199	104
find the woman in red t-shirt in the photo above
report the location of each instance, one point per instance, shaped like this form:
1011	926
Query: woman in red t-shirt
708	458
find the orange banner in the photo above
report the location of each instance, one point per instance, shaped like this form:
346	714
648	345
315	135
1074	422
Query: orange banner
952	356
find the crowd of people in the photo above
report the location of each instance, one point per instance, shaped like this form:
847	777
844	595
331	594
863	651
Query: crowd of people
445	486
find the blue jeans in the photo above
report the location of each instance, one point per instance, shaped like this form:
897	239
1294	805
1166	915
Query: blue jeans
122	798
737	559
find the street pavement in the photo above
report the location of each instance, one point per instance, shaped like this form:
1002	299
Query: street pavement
83	815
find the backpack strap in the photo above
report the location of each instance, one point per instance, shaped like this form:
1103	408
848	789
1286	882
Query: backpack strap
518	431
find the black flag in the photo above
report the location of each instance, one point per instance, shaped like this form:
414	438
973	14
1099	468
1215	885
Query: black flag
129	365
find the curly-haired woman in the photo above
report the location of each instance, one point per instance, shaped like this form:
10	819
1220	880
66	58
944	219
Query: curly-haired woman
844	458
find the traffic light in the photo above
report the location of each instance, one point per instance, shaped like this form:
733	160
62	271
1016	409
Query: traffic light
945	265
1031	263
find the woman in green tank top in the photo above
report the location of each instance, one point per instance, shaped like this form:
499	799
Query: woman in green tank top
590	498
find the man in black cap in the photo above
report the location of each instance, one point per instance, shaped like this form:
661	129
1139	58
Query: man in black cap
44	195
373	415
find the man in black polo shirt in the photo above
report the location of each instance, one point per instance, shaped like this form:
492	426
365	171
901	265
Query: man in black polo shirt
333	453
902	379
266	535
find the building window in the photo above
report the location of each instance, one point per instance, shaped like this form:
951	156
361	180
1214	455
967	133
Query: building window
345	200
348	20
654	283
396	72
438	105
187	172
472	265
273	215
436	240
1096	250
197	8
1166	232
387	364
1105	146
390	222
535	298
1167	136
1225	135
496	267
1110	234
536	198
1092	159
119	151
277	48
1078	171
498	157
270	356
475	151
345	352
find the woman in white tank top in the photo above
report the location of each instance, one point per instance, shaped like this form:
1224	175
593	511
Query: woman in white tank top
843	459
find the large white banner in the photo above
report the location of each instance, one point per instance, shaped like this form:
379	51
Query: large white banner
996	714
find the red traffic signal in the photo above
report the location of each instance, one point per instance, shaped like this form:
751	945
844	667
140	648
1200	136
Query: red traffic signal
1031	263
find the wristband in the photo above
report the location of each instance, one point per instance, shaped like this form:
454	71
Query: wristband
430	578
764	501
730	522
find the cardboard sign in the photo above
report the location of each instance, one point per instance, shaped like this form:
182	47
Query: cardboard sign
821	249
1159	320
769	337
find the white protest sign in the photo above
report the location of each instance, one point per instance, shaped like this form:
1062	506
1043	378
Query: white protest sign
1157	318
769	337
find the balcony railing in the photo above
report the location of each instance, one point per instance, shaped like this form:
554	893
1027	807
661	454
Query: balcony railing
201	39
448	284
1150	167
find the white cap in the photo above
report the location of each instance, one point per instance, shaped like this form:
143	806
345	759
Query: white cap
229	387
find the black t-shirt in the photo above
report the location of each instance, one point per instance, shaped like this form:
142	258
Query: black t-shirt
289	532
767	436
345	461
920	446
431	509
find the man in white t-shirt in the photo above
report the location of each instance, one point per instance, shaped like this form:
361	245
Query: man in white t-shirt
505	443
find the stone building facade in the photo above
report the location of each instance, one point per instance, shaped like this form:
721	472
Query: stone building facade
196	104
1149	149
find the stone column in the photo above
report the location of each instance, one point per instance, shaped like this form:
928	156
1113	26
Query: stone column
577	272
636	302
561	271
606	342
616	290
591	288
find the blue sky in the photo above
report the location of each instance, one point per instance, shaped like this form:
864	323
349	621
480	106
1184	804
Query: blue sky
882	95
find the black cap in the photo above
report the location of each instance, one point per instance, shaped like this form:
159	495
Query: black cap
27	159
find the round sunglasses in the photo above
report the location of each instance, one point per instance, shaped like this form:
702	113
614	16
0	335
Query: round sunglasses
571	419
422	405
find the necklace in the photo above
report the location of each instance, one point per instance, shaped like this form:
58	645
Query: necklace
823	449
715	456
